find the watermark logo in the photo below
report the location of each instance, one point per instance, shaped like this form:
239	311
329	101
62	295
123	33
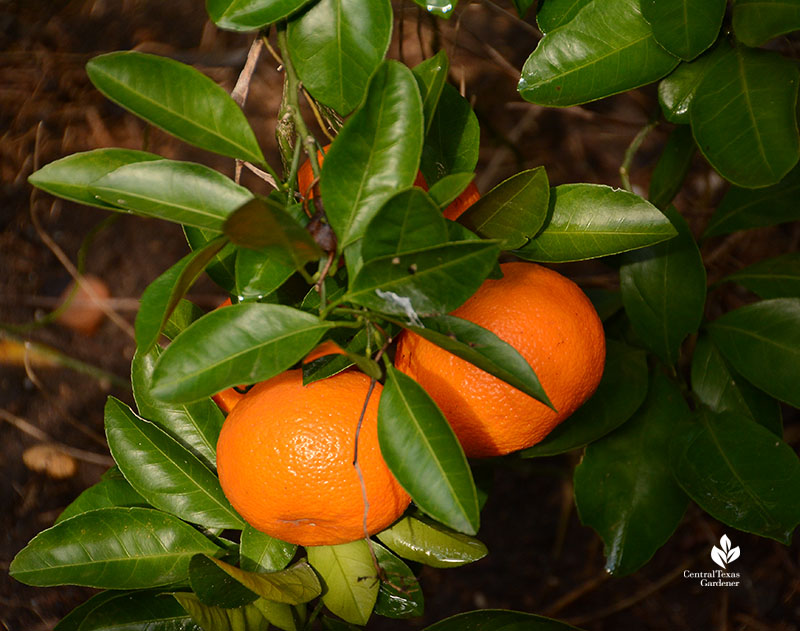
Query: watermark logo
724	554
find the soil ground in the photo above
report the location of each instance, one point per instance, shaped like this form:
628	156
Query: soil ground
542	560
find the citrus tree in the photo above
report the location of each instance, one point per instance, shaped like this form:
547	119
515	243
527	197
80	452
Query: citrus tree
363	250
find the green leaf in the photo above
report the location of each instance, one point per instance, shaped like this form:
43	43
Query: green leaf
113	610
111	548
717	386
499	619
164	472
71	177
375	154
243	343
664	291
589	220
757	21
607	48
183	192
624	487
622	390
293	586
424	454
162	295
250	15
247	618
351	582
112	490
329	365
195	425
408	221
672	167
427	542
178	99
258	274
684	27
449	187
453	138
676	91
440	8
483	348
281	615
513	211
264	225
427	282
755	93
762	343
772	278
261	553
605	301
431	76
741	474
222	268
555	13
743	208
215	587
399	595
336	45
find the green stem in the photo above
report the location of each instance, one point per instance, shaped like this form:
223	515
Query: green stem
637	141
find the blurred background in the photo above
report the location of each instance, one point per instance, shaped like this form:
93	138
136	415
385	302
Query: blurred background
55	376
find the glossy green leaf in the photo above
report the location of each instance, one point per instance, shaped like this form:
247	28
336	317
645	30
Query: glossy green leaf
336	45
453	138
440	8
743	208
164	472
183	192
195	425
114	610
250	15
427	282
555	13
483	348
762	343
215	587
607	48
264	225
351	582
431	76
247	618
261	553
408	221
590	220
672	167
757	21
165	292
755	93
499	620
684	27
112	548
293	586
676	91
772	278
622	390
399	595
624	487
741	474
258	274
243	343
427	542
182	316
178	99
222	268
329	365
449	187
375	154
664	291
513	211
71	177
112	490
423	453
717	386
280	615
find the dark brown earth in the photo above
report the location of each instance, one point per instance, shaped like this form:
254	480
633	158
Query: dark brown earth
542	560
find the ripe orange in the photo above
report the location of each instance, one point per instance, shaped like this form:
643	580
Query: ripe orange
285	460
552	324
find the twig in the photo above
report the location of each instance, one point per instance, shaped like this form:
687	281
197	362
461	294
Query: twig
24	426
262	174
242	87
637	141
575	594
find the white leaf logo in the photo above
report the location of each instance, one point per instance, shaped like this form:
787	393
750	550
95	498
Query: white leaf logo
725	554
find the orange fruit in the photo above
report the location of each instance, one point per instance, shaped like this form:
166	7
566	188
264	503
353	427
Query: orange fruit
285	460
552	324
